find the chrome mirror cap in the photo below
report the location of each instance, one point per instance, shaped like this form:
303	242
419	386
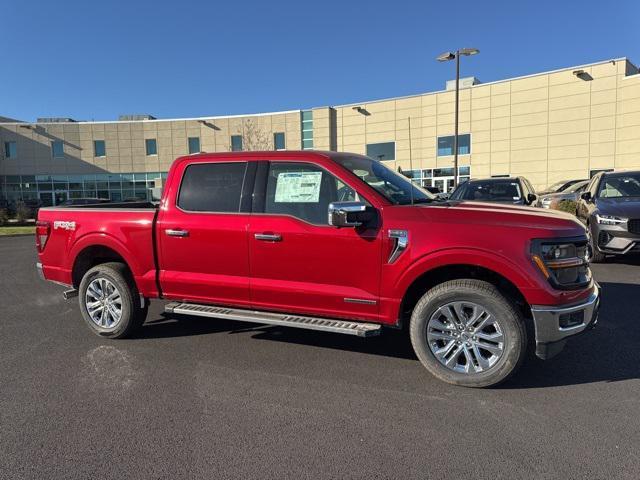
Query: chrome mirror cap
339	213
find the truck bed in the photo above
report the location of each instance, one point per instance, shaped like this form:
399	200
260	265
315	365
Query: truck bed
127	229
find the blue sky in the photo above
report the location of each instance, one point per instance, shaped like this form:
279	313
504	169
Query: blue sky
97	59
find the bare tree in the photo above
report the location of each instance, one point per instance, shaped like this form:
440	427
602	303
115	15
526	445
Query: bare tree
255	138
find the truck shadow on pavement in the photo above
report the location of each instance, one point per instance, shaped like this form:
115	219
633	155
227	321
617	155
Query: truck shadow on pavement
608	353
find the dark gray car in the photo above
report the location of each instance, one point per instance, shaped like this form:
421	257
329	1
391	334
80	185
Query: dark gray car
513	190
610	208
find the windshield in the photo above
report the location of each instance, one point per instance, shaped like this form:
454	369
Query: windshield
556	187
508	191
576	187
620	185
393	186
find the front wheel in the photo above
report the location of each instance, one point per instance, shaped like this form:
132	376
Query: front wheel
465	332
595	255
109	301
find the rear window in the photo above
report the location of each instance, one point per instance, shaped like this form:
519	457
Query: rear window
212	187
489	191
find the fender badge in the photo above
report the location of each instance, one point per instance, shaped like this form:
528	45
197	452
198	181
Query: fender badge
64	225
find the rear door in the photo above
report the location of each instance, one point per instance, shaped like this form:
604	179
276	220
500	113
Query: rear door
202	234
299	263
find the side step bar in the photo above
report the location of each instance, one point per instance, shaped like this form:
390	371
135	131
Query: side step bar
347	327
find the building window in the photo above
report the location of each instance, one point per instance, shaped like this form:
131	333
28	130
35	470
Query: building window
445	145
307	129
382	151
194	144
10	150
151	146
236	143
278	141
99	148
57	149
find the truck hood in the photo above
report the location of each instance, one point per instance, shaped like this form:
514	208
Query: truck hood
563	224
627	207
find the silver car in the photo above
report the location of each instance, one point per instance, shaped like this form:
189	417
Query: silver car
571	193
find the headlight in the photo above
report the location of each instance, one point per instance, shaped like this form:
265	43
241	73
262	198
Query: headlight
563	263
545	202
609	220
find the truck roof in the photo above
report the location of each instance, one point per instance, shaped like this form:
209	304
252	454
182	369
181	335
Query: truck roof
265	155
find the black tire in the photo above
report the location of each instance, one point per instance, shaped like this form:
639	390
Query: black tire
487	296
133	313
595	255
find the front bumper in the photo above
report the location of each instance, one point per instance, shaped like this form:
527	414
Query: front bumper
553	325
616	239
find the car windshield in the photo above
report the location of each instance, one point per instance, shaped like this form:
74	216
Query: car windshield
489	191
576	187
393	186
620	185
556	186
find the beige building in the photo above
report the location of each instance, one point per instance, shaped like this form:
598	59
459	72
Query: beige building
547	127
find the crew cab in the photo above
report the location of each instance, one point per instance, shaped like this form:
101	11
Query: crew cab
335	242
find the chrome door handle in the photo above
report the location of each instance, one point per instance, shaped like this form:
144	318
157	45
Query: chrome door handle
268	237
177	233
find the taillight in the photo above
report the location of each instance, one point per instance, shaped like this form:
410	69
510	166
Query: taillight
42	234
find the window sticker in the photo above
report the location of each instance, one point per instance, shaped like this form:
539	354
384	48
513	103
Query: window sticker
298	187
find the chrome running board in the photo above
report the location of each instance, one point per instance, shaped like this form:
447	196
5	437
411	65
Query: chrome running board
347	327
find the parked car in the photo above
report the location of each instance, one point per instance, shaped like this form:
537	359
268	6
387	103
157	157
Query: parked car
610	208
512	190
263	237
571	193
84	201
560	186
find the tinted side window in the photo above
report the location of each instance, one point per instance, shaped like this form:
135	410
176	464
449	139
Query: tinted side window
304	191
212	187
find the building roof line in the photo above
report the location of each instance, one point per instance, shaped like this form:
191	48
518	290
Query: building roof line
156	120
435	92
222	117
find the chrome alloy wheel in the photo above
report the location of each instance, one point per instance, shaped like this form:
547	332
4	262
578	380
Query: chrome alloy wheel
103	303
465	337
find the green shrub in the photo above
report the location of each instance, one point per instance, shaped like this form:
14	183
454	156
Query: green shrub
23	213
568	206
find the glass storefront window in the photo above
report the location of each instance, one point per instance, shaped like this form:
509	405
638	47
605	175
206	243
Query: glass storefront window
102	181
114	181
75	182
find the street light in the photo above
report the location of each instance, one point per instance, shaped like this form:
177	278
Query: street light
445	57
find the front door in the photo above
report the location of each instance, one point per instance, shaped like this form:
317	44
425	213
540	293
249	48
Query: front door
203	249
301	264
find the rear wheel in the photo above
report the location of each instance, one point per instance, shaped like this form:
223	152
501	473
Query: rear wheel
467	333
109	301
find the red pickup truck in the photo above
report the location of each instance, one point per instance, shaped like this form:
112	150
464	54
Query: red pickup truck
335	242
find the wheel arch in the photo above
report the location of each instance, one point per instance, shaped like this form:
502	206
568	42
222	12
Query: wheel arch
429	278
92	255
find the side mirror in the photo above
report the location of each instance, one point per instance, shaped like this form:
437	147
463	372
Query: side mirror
348	214
531	198
586	196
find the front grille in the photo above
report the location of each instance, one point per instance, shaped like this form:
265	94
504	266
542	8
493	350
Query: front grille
634	225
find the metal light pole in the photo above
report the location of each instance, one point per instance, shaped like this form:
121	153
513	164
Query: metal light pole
444	58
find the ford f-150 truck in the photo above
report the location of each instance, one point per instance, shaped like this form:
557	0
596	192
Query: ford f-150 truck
335	242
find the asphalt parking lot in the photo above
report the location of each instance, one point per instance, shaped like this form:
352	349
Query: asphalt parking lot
197	398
